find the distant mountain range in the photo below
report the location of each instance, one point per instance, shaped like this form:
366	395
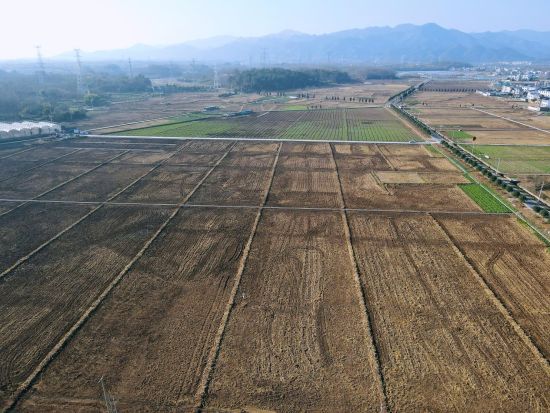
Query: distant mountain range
403	44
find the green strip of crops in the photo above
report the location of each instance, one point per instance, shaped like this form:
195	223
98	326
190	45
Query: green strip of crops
459	135
486	200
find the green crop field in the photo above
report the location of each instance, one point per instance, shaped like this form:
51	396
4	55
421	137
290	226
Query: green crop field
486	200
515	159
458	135
365	124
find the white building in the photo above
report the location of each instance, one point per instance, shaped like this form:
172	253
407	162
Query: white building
545	93
506	89
545	105
533	95
26	129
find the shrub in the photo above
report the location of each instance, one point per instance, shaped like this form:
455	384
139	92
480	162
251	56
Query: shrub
537	208
545	213
516	193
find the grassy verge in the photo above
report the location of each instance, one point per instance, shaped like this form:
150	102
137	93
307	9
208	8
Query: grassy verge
485	199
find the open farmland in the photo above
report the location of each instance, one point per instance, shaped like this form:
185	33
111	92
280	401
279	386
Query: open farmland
360	124
509	137
247	275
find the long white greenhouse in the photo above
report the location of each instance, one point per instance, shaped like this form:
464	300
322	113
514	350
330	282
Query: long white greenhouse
26	129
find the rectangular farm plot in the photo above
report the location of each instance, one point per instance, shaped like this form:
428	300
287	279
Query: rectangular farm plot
99	184
37	181
248	160
143	157
306	161
46	295
255	147
405	150
288	346
208	146
10	168
305	188
151	338
26	228
41	154
356	149
233	186
195	159
441	340
92	155
515	265
364	190
305	148
362	162
114	143
421	164
400	177
6	206
166	184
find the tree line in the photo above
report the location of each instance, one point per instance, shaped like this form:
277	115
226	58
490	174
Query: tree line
50	96
277	79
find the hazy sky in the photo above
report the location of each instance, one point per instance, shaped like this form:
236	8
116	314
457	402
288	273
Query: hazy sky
62	25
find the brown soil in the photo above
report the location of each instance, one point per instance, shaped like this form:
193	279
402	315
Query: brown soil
100	184
514	264
166	184
33	183
27	227
443	344
363	190
49	292
288	347
155	331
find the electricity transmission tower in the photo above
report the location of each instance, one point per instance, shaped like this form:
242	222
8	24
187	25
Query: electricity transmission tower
79	80
41	70
264	57
216	78
109	401
131	69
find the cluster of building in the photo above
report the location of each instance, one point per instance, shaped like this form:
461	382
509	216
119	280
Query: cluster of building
532	92
26	129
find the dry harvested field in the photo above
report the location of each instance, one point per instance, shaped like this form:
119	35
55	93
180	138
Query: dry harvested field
148	108
255	276
491	120
508	136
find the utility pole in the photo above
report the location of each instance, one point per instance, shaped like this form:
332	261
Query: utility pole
109	401
41	70
79	80
540	191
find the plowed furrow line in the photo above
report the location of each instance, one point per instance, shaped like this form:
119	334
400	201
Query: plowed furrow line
501	306
202	390
374	347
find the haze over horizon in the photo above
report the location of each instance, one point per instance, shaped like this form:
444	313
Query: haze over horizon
61	25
